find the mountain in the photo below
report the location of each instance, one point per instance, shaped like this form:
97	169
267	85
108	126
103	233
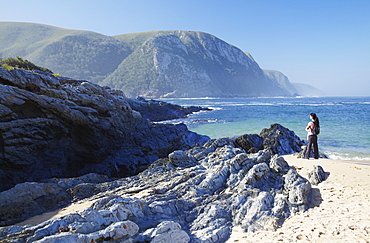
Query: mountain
77	54
308	90
150	64
283	81
189	64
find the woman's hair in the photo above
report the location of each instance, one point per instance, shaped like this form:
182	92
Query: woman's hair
315	119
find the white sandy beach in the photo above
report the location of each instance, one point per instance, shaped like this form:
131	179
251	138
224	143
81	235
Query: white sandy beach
342	216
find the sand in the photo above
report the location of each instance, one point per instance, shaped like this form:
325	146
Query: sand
342	216
75	207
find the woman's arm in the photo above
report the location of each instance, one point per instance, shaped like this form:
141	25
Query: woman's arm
309	127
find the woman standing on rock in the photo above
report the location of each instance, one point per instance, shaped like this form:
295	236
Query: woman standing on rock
313	129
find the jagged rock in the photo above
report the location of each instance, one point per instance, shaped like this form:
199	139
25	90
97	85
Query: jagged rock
298	187
317	175
114	232
250	142
30	198
180	158
212	188
168	232
58	127
159	110
278	139
302	154
278	164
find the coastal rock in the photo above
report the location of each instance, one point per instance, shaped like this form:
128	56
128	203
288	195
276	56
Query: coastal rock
208	190
59	127
159	110
278	164
301	154
317	175
180	158
298	187
250	142
30	198
278	139
168	232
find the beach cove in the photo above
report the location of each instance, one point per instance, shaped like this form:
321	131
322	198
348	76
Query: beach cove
197	189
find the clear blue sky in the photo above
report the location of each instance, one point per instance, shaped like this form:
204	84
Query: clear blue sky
325	43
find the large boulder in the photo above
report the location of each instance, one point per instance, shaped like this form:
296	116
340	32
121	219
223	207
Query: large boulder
278	139
317	175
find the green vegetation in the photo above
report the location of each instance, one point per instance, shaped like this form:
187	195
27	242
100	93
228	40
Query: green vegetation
18	62
72	53
7	67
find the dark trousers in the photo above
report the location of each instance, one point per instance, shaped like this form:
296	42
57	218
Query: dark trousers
312	141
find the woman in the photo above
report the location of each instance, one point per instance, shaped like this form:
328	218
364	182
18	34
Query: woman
312	137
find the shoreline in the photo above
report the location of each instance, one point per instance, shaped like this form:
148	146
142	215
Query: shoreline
340	216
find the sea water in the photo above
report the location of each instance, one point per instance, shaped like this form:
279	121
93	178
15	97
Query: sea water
344	121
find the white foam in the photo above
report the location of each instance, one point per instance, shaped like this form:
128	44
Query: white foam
348	156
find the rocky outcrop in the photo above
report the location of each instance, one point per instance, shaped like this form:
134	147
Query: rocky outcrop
159	110
31	198
278	139
59	127
195	195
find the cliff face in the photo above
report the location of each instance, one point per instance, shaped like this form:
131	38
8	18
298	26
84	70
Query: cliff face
308	90
151	64
283	81
60	127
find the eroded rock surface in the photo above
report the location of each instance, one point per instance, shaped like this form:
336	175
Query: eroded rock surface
58	127
278	139
197	195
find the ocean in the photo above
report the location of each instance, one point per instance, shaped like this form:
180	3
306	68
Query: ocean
344	121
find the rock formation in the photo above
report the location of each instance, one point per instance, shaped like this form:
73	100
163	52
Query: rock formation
277	139
317	175
59	127
174	186
159	111
194	195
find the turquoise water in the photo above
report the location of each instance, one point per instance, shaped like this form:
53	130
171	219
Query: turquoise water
344	121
